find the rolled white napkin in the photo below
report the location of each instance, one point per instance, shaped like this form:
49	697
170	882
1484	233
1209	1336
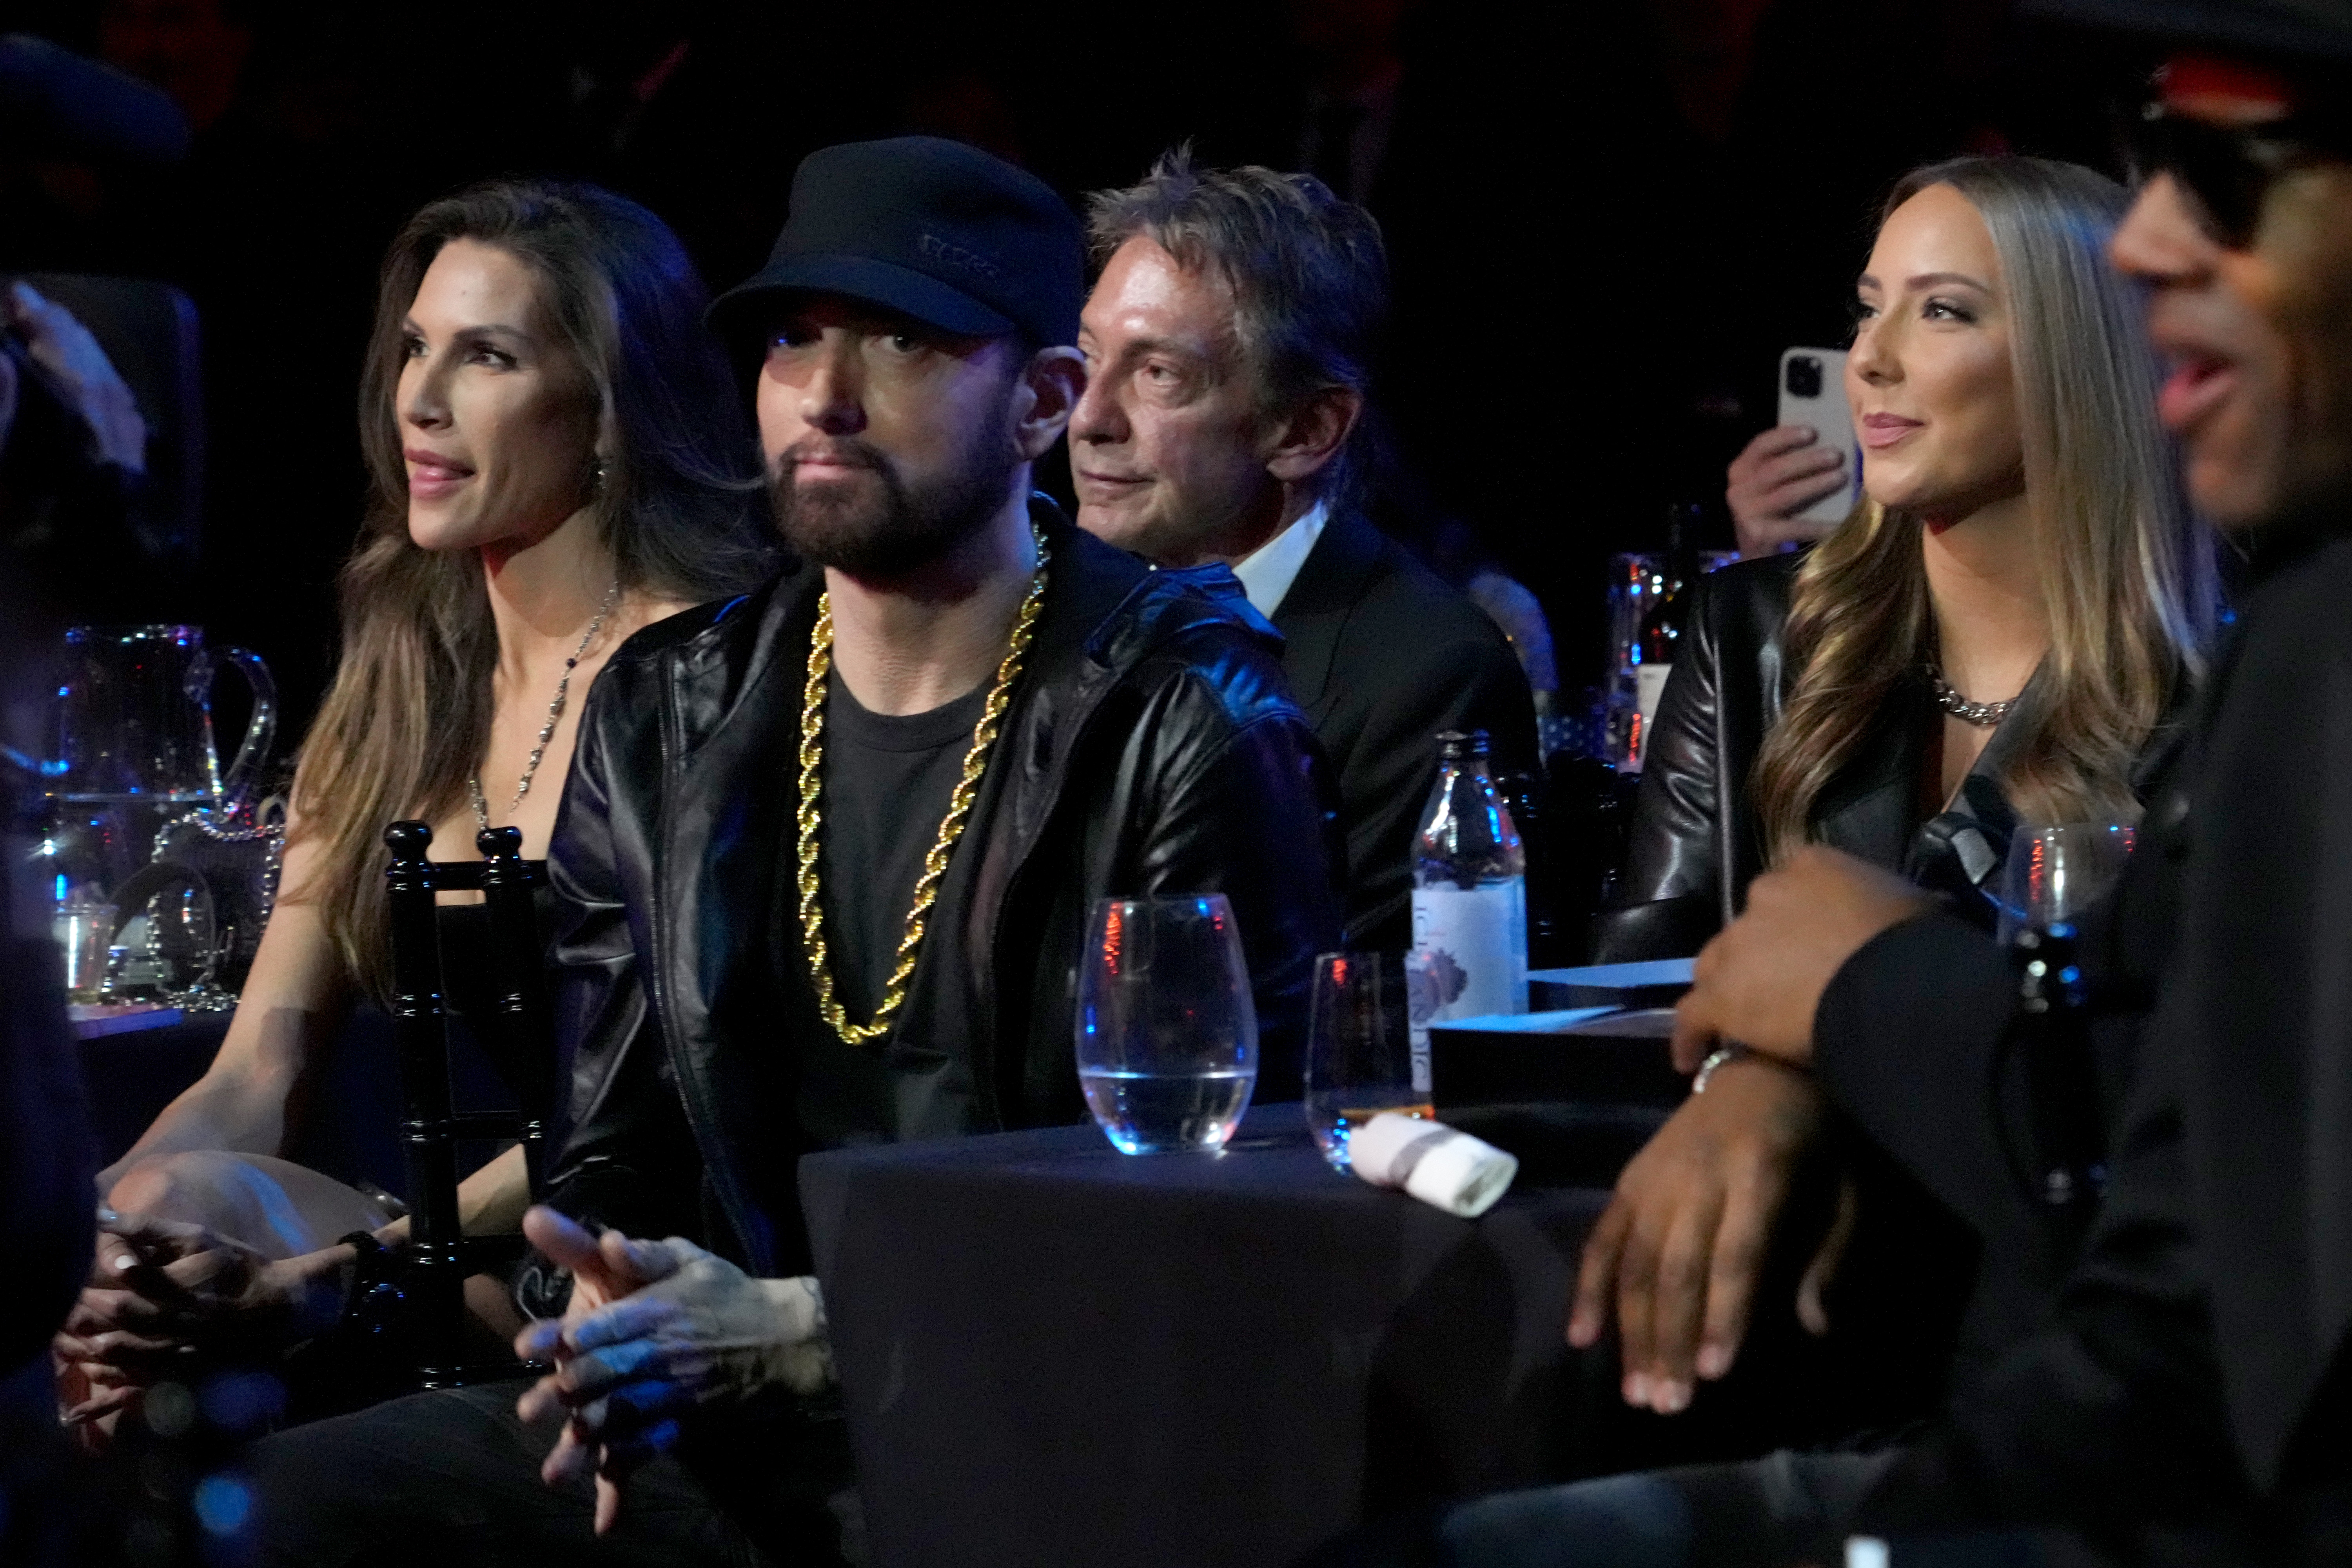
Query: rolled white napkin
1443	1166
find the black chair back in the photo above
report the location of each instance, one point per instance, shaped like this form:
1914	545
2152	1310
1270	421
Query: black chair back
440	1257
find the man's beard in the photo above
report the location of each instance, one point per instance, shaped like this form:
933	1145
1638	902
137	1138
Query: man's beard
892	534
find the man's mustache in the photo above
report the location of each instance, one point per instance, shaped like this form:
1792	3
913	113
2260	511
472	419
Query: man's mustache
847	453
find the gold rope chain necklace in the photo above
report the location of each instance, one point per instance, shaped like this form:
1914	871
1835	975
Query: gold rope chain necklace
952	825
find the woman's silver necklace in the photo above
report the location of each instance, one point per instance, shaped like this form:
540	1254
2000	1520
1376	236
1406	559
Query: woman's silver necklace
1983	715
554	712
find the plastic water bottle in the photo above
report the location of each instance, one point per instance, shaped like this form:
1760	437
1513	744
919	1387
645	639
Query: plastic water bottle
1469	897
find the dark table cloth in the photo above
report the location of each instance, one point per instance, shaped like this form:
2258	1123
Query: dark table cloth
1053	1354
130	1074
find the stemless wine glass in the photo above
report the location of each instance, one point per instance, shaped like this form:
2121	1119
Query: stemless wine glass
2053	874
1360	1055
1167	1032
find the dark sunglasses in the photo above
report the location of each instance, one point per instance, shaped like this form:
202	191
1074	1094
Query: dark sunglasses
2226	171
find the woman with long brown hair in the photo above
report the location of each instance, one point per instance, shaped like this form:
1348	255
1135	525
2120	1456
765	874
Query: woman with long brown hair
557	457
2000	636
1995	635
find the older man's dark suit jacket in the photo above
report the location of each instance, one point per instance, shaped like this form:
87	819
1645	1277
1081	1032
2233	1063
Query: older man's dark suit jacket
1383	654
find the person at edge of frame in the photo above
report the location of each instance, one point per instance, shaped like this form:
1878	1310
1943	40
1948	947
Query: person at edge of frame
2183	1401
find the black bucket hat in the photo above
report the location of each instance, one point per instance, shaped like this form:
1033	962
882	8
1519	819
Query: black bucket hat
944	233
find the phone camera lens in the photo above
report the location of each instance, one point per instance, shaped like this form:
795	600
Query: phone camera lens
1804	376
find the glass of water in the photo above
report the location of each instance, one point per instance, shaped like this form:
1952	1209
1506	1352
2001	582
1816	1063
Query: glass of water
1360	1055
1166	1032
2053	874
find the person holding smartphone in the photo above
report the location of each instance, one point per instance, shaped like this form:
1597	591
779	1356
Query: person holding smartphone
1775	479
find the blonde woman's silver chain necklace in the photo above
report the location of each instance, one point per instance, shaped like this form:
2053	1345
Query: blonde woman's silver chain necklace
554	712
1983	715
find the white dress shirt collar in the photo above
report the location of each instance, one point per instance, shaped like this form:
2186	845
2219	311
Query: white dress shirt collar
1267	572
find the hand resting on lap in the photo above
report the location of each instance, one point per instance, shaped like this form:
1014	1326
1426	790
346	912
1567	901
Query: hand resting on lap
1679	1248
162	1288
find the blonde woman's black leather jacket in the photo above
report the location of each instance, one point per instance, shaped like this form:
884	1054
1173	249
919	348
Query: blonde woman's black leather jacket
1150	746
1695	844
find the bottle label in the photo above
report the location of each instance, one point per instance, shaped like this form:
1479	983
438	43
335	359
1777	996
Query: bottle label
1649	685
1470	957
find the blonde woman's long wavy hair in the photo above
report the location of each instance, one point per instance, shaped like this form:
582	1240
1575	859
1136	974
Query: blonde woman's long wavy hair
2127	577
679	504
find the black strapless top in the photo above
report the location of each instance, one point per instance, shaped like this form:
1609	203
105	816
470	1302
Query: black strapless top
468	987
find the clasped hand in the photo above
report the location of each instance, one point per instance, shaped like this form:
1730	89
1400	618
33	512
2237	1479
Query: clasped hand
161	1288
654	1331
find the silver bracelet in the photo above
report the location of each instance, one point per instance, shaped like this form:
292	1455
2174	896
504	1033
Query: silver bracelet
1714	1059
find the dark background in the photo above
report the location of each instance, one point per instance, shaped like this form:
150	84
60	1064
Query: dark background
1606	218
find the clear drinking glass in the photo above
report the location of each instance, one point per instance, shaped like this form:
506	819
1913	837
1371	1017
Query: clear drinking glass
1167	1032
84	928
2053	874
1360	1055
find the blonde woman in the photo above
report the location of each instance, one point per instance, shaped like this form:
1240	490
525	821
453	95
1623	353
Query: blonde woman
557	457
1996	632
1996	636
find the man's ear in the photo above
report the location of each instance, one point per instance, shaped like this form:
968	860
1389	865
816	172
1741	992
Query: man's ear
1050	386
1305	444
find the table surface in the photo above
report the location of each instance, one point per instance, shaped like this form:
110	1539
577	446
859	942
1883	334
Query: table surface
88	1021
1052	1353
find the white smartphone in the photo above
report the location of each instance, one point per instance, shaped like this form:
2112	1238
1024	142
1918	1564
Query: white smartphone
1812	391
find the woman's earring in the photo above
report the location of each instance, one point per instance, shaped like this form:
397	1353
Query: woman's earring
599	484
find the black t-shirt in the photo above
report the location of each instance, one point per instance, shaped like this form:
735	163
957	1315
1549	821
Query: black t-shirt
886	784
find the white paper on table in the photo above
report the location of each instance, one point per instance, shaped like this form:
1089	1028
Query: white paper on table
1443	1166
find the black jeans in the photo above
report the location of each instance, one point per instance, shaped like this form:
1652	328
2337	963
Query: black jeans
1768	1512
452	1479
1783	1509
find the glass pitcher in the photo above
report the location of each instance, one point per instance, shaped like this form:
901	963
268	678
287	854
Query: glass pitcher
134	782
135	720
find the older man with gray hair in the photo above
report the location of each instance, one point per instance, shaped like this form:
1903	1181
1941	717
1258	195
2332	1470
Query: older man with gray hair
1229	342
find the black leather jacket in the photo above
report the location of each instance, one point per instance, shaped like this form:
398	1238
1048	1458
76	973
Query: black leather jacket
1150	746
1696	843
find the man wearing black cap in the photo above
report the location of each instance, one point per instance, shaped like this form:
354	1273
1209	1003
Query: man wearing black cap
825	863
2183	1400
